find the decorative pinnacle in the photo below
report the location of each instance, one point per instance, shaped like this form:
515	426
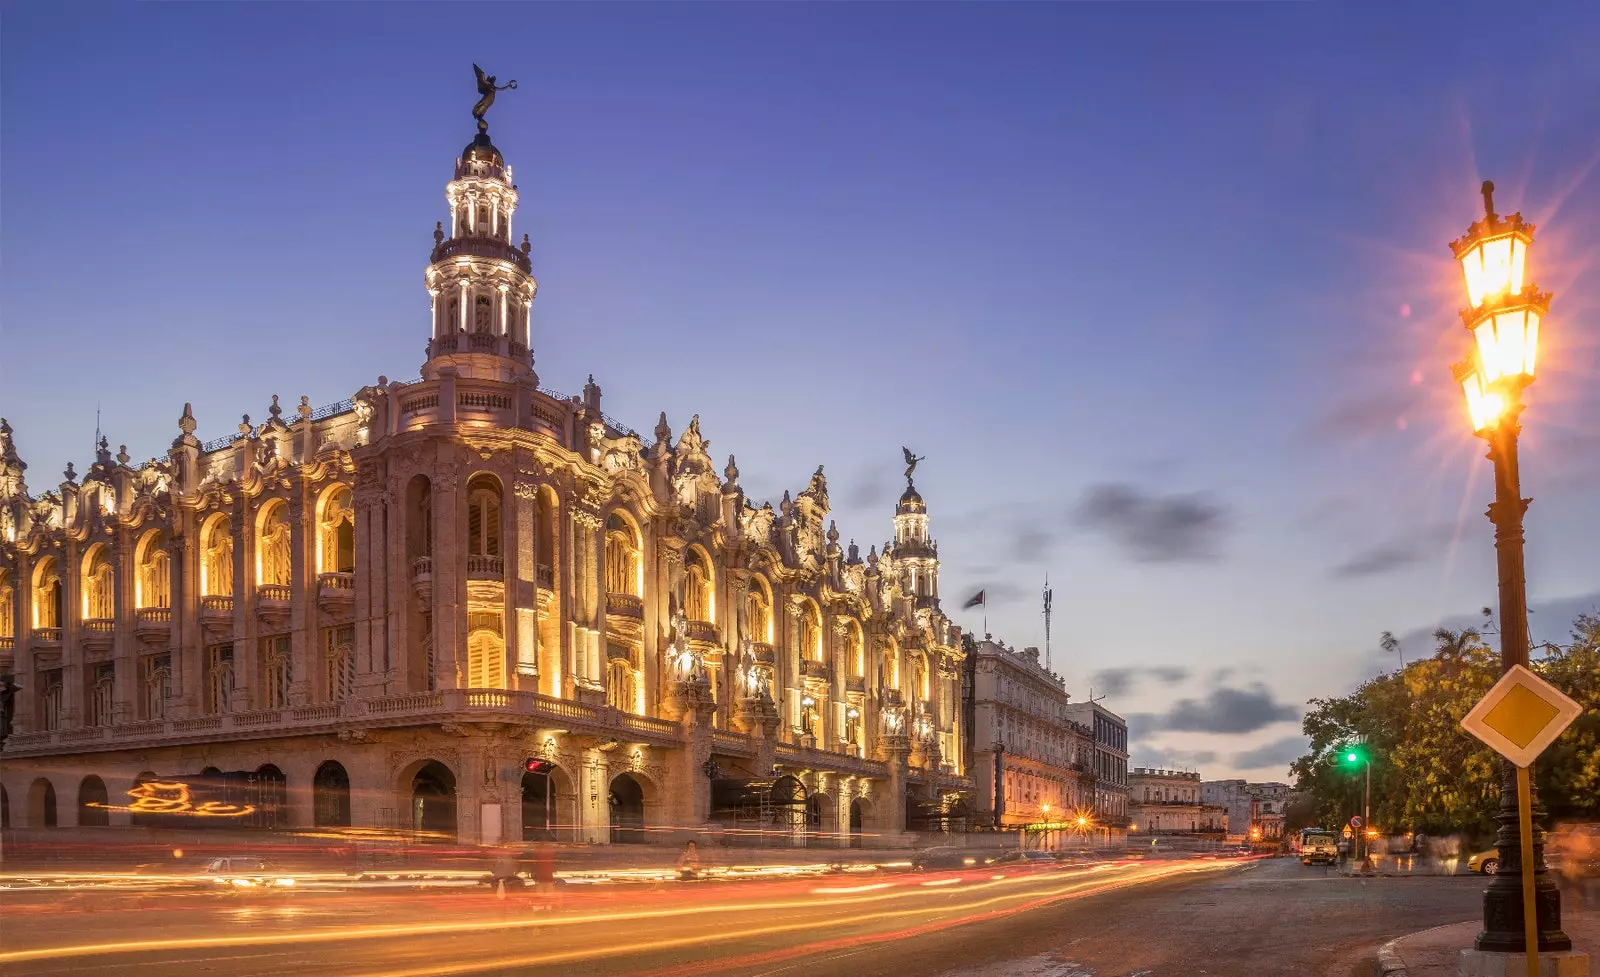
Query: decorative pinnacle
1488	200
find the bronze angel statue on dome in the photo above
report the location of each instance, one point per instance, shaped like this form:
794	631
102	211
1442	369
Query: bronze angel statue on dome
487	88
911	462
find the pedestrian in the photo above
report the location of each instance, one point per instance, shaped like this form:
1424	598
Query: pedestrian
689	862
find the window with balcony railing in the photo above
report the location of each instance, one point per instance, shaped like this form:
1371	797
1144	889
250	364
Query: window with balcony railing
50	699
339	662
219	679
102	691
155	686
275	671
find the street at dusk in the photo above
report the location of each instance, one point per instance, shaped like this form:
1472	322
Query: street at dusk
825	489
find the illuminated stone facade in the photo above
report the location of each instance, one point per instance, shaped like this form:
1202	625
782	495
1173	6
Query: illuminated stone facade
1023	740
382	608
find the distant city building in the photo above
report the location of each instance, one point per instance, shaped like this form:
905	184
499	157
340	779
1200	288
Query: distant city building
1250	806
1110	770
468	605
1030	764
1169	802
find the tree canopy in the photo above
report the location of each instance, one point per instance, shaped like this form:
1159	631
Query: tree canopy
1430	775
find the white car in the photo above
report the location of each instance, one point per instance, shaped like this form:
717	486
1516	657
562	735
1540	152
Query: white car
246	873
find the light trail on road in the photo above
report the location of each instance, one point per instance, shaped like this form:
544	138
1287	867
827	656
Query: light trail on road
835	918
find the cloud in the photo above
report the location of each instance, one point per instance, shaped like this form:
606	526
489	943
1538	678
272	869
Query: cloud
1158	757
1121	681
1372	413
1223	710
1279	753
1393	554
1030	544
1548	620
1154	528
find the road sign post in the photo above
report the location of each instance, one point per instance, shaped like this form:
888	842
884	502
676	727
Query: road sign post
1519	718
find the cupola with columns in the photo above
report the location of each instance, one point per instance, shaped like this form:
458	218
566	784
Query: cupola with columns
915	552
480	283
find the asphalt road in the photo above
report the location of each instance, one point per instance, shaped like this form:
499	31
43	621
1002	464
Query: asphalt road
1177	917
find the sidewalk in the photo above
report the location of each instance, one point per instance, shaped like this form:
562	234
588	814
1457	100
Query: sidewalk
1435	952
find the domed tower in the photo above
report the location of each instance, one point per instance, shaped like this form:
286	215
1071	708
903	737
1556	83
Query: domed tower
482	285
916	554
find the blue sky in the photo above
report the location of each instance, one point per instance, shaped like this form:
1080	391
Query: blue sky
1161	291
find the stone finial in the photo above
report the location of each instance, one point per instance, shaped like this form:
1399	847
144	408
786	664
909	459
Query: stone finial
244	426
663	432
186	423
731	473
122	455
526	247
70	475
853	553
275	410
102	452
438	233
833	533
304	410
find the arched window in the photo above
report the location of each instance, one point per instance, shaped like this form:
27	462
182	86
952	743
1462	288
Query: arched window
7	610
855	660
620	687
622	557
339	662
99	586
155	572
47	595
919	679
810	633
273	564
698	603
486	660
93	803
219	679
758	611
483	315
483	517
216	559
330	796
419	518
336	533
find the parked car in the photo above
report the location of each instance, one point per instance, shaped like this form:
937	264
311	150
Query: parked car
944	857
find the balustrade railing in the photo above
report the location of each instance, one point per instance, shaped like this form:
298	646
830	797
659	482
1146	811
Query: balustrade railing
815	669
47	636
702	631
153	615
196	725
99	625
486	567
422	566
216	605
336	581
624	605
274	593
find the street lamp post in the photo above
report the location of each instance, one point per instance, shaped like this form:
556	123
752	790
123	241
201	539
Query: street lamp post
1503	316
1363	846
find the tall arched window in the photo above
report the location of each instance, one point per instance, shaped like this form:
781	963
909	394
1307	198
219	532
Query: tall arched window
855	659
919	679
758	611
486	660
216	558
155	572
619	687
99	586
47	594
810	633
483	517
483	315
622	557
7	608
697	598
273	562
336	533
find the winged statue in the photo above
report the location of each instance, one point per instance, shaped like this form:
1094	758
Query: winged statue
487	88
911	462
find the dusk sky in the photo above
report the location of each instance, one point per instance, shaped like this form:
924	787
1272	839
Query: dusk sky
1162	292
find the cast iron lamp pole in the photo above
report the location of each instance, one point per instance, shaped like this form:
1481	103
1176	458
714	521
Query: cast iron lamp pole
1503	316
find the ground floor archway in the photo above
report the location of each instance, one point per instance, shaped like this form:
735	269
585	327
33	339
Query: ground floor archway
856	818
433	800
93	803
330	796
626	801
272	794
42	804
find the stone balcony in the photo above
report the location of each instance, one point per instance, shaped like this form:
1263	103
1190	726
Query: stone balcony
153	624
97	633
46	639
625	605
486	568
422	578
272	605
821	671
8	652
855	683
703	633
216	614
408	709
763	652
336	591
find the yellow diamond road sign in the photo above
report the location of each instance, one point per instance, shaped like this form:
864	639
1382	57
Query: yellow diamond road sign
1521	716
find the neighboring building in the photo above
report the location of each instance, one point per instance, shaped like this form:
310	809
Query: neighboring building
1029	763
373	613
1169	802
1110	770
1251	807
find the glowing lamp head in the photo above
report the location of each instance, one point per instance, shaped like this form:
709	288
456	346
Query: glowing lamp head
1485	406
1506	337
1493	253
1082	822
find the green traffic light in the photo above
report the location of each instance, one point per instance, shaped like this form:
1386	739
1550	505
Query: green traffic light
1351	757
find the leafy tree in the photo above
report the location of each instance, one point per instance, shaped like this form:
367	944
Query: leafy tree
1428	774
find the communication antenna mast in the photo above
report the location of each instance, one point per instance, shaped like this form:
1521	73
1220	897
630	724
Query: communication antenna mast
1049	597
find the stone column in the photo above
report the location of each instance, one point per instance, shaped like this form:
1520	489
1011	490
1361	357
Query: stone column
371	604
891	803
304	635
592	805
522	597
449	575
124	646
691	795
72	671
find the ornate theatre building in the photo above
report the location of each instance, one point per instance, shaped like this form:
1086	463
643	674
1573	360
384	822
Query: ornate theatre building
472	606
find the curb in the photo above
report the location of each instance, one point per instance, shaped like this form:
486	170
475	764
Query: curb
1389	963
